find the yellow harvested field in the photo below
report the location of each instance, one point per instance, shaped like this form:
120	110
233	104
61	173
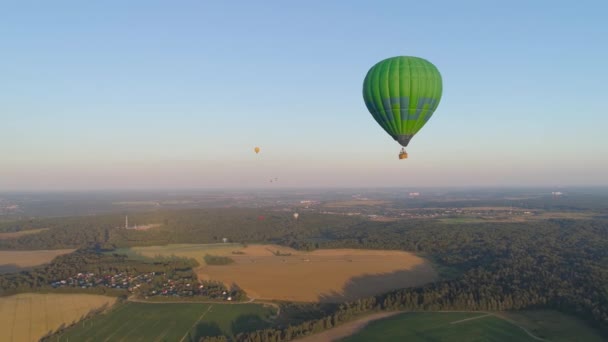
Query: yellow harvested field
322	275
11	261
14	235
29	316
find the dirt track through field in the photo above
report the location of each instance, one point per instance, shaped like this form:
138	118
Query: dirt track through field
470	319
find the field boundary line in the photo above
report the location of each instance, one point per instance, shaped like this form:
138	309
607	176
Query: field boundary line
116	330
130	331
165	332
520	327
198	320
470	319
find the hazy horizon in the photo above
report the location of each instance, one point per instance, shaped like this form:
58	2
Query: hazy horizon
150	95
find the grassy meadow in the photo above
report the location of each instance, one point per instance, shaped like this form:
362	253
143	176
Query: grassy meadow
440	326
170	322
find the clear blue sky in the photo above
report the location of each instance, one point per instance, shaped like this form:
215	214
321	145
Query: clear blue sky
175	94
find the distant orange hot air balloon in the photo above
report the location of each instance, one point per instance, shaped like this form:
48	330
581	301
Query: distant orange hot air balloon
257	150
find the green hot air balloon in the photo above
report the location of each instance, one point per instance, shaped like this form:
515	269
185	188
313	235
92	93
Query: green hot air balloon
402	93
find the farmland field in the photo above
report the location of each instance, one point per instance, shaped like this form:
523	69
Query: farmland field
29	316
14	235
440	326
13	261
329	275
170	322
554	326
281	273
195	251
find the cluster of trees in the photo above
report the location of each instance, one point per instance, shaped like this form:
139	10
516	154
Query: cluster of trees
217	260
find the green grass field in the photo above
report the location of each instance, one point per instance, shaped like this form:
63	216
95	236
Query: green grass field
555	326
440	326
170	322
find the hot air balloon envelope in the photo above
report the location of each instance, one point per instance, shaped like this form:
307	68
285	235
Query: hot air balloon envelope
402	94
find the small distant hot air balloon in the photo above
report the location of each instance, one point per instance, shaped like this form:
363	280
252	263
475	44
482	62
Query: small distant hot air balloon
256	149
402	94
296	215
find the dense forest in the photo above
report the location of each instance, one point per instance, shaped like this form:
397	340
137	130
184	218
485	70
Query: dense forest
183	226
558	264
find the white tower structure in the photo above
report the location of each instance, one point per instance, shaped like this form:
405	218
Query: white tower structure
126	222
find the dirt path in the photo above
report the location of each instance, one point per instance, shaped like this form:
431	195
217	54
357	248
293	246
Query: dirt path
347	329
520	327
470	319
195	323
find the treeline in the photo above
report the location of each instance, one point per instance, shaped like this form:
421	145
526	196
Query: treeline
217	260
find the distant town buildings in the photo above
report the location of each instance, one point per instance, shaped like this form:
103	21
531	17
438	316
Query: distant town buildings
8	207
139	227
149	284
